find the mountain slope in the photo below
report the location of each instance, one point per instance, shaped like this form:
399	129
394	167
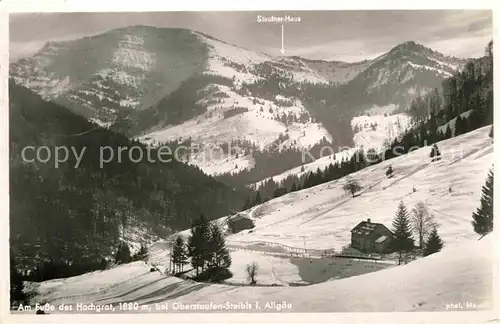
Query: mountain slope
396	77
78	210
114	73
173	85
324	214
332	72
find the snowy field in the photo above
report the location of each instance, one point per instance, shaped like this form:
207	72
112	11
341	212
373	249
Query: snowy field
278	267
461	274
374	130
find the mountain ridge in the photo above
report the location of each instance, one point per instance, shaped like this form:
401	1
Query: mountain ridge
137	81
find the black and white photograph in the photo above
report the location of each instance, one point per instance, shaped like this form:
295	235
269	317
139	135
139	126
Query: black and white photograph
321	161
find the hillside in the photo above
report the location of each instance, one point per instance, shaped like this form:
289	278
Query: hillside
324	214
77	211
404	72
110	75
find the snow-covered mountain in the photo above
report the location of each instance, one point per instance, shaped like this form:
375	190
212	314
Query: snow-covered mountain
334	72
111	74
162	85
396	77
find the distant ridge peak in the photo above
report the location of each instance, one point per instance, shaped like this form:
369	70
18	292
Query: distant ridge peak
410	45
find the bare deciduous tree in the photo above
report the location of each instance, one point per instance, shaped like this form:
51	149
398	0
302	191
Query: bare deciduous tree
422	222
352	186
252	270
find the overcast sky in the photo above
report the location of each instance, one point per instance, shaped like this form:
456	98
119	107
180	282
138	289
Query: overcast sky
330	35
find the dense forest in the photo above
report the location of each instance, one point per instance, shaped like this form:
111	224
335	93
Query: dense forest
76	216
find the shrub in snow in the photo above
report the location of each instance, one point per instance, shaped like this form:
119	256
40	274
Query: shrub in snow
389	173
435	153
214	274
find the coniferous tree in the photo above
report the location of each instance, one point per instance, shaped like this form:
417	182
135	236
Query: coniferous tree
197	244
433	135
179	254
447	133
123	254
142	254
360	161
402	240
204	227
258	199
372	156
219	253
434	243
459	126
194	249
247	204
483	217
16	284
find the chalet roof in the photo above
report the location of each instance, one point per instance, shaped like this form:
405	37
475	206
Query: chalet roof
381	239
239	217
366	227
